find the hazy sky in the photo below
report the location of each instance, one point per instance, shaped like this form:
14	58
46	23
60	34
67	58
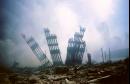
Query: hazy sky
106	23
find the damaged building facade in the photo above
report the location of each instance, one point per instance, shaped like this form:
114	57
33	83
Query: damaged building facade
38	52
53	47
76	48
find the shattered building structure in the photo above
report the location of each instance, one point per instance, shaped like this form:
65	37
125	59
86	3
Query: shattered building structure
76	48
53	47
38	52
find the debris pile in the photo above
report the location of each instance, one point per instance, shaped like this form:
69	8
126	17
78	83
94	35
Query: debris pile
114	73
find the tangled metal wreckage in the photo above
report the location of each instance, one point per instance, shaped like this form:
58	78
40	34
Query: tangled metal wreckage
75	50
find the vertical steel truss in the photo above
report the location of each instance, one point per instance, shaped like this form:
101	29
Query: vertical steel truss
38	51
53	47
76	48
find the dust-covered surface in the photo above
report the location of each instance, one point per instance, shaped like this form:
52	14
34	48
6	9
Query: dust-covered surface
114	73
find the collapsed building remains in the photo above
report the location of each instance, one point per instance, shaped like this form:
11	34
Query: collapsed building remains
38	52
76	48
53	47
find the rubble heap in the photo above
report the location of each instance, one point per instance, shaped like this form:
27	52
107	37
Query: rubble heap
115	73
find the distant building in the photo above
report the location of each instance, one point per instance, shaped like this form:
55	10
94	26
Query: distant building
53	47
37	51
76	48
89	59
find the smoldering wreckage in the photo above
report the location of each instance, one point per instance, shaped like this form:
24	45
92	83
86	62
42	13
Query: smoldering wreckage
72	72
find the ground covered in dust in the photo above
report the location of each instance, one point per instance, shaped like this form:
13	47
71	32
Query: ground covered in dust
108	73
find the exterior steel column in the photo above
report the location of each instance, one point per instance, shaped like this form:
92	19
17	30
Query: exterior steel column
76	48
53	47
37	51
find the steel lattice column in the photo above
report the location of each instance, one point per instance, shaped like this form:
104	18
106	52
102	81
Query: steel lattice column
38	51
53	47
76	48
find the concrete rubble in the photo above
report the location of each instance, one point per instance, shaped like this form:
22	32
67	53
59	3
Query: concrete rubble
114	73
